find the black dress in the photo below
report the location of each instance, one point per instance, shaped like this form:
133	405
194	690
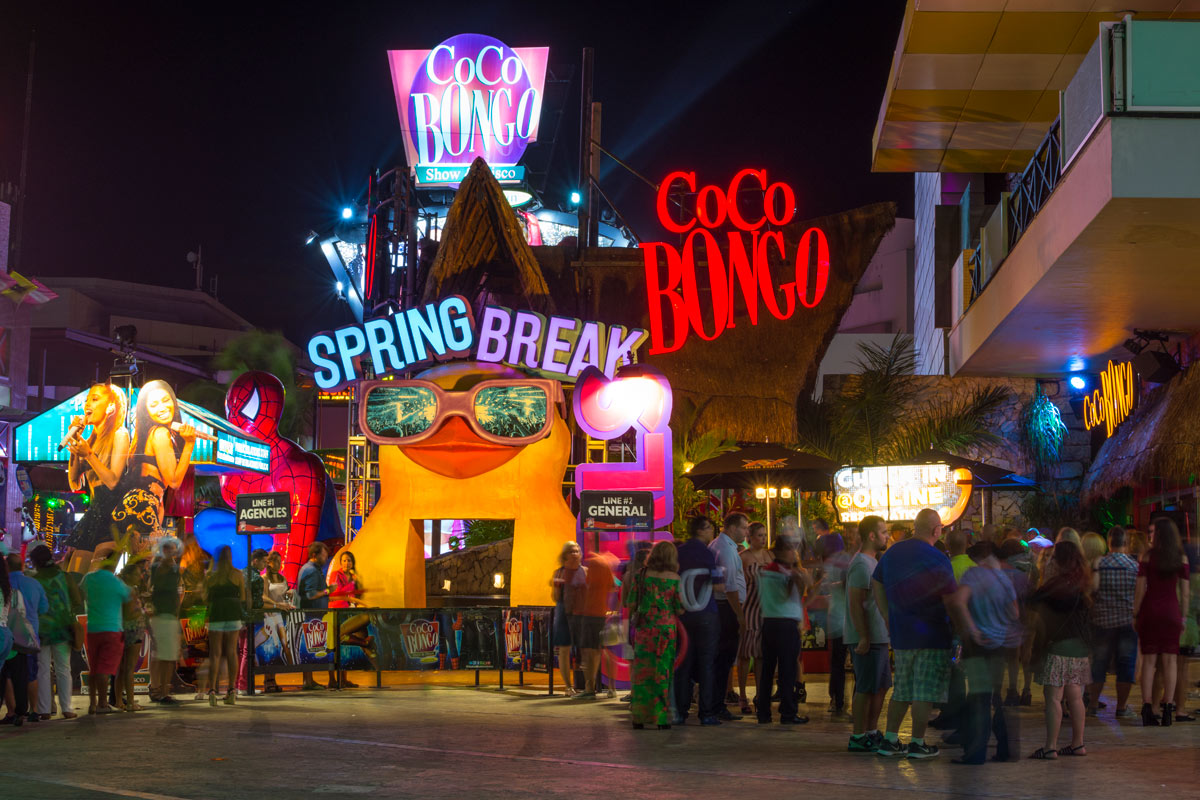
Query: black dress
139	499
95	527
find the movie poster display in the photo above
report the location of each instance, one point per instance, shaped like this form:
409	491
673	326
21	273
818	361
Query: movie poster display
403	639
476	638
536	639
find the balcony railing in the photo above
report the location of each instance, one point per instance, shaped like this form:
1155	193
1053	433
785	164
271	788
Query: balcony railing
1035	186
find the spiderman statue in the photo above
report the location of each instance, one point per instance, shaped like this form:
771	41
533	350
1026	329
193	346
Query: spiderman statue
254	403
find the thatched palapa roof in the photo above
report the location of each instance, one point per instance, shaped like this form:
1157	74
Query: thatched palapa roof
483	244
745	382
1160	439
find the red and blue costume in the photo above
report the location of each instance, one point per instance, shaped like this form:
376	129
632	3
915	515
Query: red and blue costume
254	403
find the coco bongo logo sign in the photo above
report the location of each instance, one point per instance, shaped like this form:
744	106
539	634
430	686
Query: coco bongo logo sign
470	96
745	270
1112	402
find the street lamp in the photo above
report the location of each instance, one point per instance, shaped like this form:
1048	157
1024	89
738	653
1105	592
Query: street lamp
770	493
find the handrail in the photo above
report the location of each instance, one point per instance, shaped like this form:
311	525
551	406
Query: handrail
975	265
1036	185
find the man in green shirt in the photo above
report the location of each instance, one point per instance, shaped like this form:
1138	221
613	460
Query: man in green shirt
104	594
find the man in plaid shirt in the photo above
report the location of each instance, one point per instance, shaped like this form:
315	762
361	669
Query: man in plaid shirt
1114	577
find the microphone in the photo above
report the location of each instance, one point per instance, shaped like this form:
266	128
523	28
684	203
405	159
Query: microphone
72	432
208	437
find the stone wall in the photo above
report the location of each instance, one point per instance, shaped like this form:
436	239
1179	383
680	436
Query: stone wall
470	571
1009	452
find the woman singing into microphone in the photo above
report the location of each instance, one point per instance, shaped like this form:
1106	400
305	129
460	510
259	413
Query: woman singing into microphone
97	464
162	453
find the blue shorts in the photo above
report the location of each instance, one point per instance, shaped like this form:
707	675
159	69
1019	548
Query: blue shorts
872	672
1114	644
560	630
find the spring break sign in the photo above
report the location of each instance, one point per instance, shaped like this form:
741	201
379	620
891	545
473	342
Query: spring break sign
470	97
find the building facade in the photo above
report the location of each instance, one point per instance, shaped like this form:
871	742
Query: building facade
1057	208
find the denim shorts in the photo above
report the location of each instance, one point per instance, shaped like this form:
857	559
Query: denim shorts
1114	644
872	672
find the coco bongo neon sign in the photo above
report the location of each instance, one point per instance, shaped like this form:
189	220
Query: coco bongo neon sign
748	270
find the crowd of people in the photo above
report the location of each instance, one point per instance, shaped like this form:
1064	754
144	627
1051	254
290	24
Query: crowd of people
141	611
945	620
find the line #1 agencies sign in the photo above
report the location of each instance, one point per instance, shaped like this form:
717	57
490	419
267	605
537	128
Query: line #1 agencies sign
265	512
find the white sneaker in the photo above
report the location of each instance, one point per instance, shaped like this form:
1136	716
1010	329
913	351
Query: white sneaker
243	693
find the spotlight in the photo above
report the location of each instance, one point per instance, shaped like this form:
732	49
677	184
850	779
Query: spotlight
125	336
347	212
339	288
1078	383
576	198
312	237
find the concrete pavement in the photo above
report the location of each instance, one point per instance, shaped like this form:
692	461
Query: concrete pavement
452	742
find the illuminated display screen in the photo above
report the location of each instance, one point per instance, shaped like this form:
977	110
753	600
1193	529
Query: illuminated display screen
899	493
37	440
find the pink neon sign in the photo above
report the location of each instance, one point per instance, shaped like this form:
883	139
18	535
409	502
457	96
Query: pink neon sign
472	96
639	398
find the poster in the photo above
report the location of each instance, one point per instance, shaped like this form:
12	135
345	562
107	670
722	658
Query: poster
475	641
515	624
538	656
293	641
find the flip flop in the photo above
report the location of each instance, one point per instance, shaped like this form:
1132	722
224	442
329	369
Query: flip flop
1044	754
1073	751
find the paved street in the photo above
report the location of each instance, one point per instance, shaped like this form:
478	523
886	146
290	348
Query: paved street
452	741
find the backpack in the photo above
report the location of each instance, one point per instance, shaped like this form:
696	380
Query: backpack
24	639
59	599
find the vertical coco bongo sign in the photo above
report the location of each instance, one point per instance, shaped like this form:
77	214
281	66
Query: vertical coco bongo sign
472	96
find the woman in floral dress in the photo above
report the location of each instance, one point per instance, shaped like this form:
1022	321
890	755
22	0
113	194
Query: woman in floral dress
654	602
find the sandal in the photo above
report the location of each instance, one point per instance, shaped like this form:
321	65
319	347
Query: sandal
747	708
1081	750
1044	754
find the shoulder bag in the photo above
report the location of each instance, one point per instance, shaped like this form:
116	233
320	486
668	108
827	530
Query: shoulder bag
24	639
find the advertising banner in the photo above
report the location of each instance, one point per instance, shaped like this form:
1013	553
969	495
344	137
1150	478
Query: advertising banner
218	448
293	641
475	632
403	639
536	645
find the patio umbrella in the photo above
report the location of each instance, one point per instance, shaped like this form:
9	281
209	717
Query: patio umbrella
761	465
985	476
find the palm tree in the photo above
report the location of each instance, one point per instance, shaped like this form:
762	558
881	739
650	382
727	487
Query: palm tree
875	419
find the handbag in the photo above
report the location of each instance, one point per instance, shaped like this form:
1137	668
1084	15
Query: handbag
24	639
615	630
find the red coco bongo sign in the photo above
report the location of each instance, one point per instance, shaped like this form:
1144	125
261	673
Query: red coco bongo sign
676	305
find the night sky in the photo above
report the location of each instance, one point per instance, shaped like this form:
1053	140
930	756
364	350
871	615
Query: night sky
157	129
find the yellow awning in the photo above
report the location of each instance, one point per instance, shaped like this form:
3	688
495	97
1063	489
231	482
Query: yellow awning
974	83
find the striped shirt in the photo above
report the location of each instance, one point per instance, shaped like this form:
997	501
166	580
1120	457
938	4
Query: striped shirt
1113	606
